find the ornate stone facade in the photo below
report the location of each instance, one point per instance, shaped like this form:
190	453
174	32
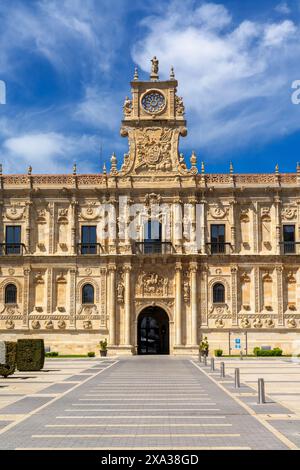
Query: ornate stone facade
260	277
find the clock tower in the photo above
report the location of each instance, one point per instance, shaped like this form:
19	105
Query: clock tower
153	122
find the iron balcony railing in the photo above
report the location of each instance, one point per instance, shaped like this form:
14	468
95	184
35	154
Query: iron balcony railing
219	248
12	248
89	248
154	248
290	248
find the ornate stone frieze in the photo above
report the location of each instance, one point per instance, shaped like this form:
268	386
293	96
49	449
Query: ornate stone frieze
151	284
289	213
218	211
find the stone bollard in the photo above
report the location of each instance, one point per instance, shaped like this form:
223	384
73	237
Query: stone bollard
261	391
237	382
200	357
241	355
222	369
205	360
212	364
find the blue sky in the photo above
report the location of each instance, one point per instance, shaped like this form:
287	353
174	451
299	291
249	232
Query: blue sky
67	66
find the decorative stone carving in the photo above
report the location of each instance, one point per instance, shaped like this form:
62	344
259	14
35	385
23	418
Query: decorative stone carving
87	325
61	324
35	324
90	212
219	323
289	213
120	293
218	212
257	323
15	212
11	271
245	323
153	148
9	324
127	107
152	285
179	106
63	216
186	291
291	323
49	325
269	323
152	198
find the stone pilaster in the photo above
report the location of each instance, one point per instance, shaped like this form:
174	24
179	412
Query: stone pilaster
177	224
74	204
178	303
25	321
127	306
112	226
279	280
257	302
49	291
234	295
277	205
194	304
203	296
73	298
28	226
111	302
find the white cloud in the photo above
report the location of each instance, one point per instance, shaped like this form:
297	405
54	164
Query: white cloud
99	109
283	8
46	152
235	78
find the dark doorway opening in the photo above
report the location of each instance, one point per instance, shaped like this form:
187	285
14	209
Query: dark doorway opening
153	331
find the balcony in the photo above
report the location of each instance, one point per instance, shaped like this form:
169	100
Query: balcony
154	248
12	249
219	248
89	248
290	248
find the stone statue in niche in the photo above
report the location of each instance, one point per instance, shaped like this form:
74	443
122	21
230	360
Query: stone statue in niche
120	292
127	107
186	291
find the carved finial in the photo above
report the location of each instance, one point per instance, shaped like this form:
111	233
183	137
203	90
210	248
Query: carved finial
154	69
298	167
277	169
104	169
0	168
202	168
74	169
136	74
193	159
113	166
231	169
172	74
29	171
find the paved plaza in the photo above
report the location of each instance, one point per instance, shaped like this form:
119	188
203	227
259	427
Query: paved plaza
153	402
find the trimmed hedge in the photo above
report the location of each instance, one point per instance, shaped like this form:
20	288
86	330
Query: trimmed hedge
271	352
30	354
11	354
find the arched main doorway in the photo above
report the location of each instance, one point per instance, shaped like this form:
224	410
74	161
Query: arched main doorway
153	331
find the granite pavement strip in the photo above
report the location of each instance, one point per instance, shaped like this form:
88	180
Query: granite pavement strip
154	402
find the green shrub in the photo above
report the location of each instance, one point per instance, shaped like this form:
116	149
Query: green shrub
218	352
103	345
52	354
267	353
11	355
30	354
91	354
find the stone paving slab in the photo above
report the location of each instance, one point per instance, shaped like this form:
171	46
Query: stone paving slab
143	402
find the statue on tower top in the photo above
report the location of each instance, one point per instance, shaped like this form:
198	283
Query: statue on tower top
154	68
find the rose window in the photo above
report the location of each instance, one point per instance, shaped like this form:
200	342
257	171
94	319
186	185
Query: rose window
153	102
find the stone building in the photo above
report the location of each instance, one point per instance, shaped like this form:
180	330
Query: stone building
152	255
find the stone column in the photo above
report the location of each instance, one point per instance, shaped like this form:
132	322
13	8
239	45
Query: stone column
178	303
193	241
73	226
111	300
27	227
177	224
112	226
203	226
234	295
194	310
279	279
277	204
127	305
233	226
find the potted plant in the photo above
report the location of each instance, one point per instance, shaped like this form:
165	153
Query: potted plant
103	348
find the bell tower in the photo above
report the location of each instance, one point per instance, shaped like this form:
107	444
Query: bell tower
153	122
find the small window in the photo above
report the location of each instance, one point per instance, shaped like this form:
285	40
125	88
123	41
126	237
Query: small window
13	239
289	238
217	238
10	294
88	240
218	294
88	294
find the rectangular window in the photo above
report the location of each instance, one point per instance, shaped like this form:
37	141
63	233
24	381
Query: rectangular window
13	239
289	238
88	240
217	238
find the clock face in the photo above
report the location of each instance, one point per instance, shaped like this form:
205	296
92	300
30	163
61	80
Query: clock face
153	102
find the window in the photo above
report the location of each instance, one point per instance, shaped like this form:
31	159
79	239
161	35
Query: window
13	239
88	294
217	237
152	236
289	238
10	294
88	240
218	294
